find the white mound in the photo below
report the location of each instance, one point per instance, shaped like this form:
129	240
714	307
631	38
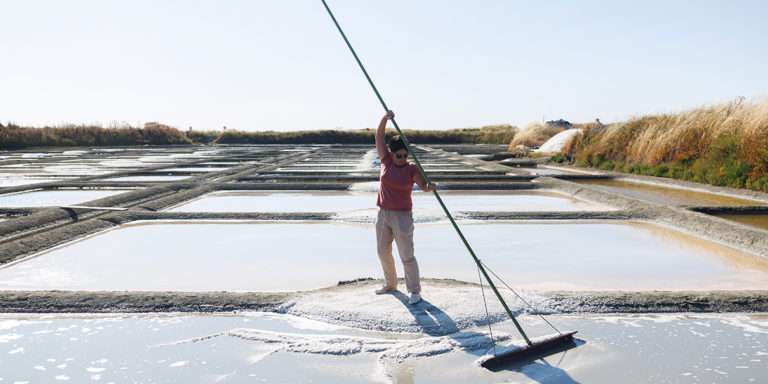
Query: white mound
369	161
448	306
557	142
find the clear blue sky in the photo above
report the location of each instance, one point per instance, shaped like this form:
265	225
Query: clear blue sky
439	64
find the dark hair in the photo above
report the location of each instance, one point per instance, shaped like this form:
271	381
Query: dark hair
396	143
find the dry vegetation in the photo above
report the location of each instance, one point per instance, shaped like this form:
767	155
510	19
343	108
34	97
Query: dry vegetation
724	144
534	135
492	134
16	137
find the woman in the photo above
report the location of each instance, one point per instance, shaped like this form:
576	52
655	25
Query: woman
395	219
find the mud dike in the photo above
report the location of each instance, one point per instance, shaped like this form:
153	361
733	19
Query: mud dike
275	228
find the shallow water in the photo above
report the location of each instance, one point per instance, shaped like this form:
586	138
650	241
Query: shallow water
214	163
54	197
664	195
149	178
541	171
196	169
347	202
9	180
263	347
248	257
122	163
323	164
76	169
753	219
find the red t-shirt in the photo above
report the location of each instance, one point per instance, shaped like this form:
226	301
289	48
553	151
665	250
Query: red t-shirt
395	184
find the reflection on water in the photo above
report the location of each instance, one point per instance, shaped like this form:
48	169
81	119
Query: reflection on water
668	195
727	255
287	256
754	219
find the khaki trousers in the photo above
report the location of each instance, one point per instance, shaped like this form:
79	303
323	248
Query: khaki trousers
397	226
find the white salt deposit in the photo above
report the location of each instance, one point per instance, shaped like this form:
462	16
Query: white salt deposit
8	337
35	155
369	162
746	324
296	321
122	163
447	308
78	152
557	142
8	324
390	349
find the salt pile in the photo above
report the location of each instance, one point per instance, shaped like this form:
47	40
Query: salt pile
448	307
557	142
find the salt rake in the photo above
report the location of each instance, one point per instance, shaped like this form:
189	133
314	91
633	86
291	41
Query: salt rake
533	349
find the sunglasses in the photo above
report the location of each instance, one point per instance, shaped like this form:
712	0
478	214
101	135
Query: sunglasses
401	156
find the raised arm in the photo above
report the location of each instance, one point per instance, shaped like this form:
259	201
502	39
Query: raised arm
381	146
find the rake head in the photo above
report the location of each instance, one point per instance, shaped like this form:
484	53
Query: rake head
538	349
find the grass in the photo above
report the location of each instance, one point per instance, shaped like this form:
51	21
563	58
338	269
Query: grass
724	145
16	137
496	134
